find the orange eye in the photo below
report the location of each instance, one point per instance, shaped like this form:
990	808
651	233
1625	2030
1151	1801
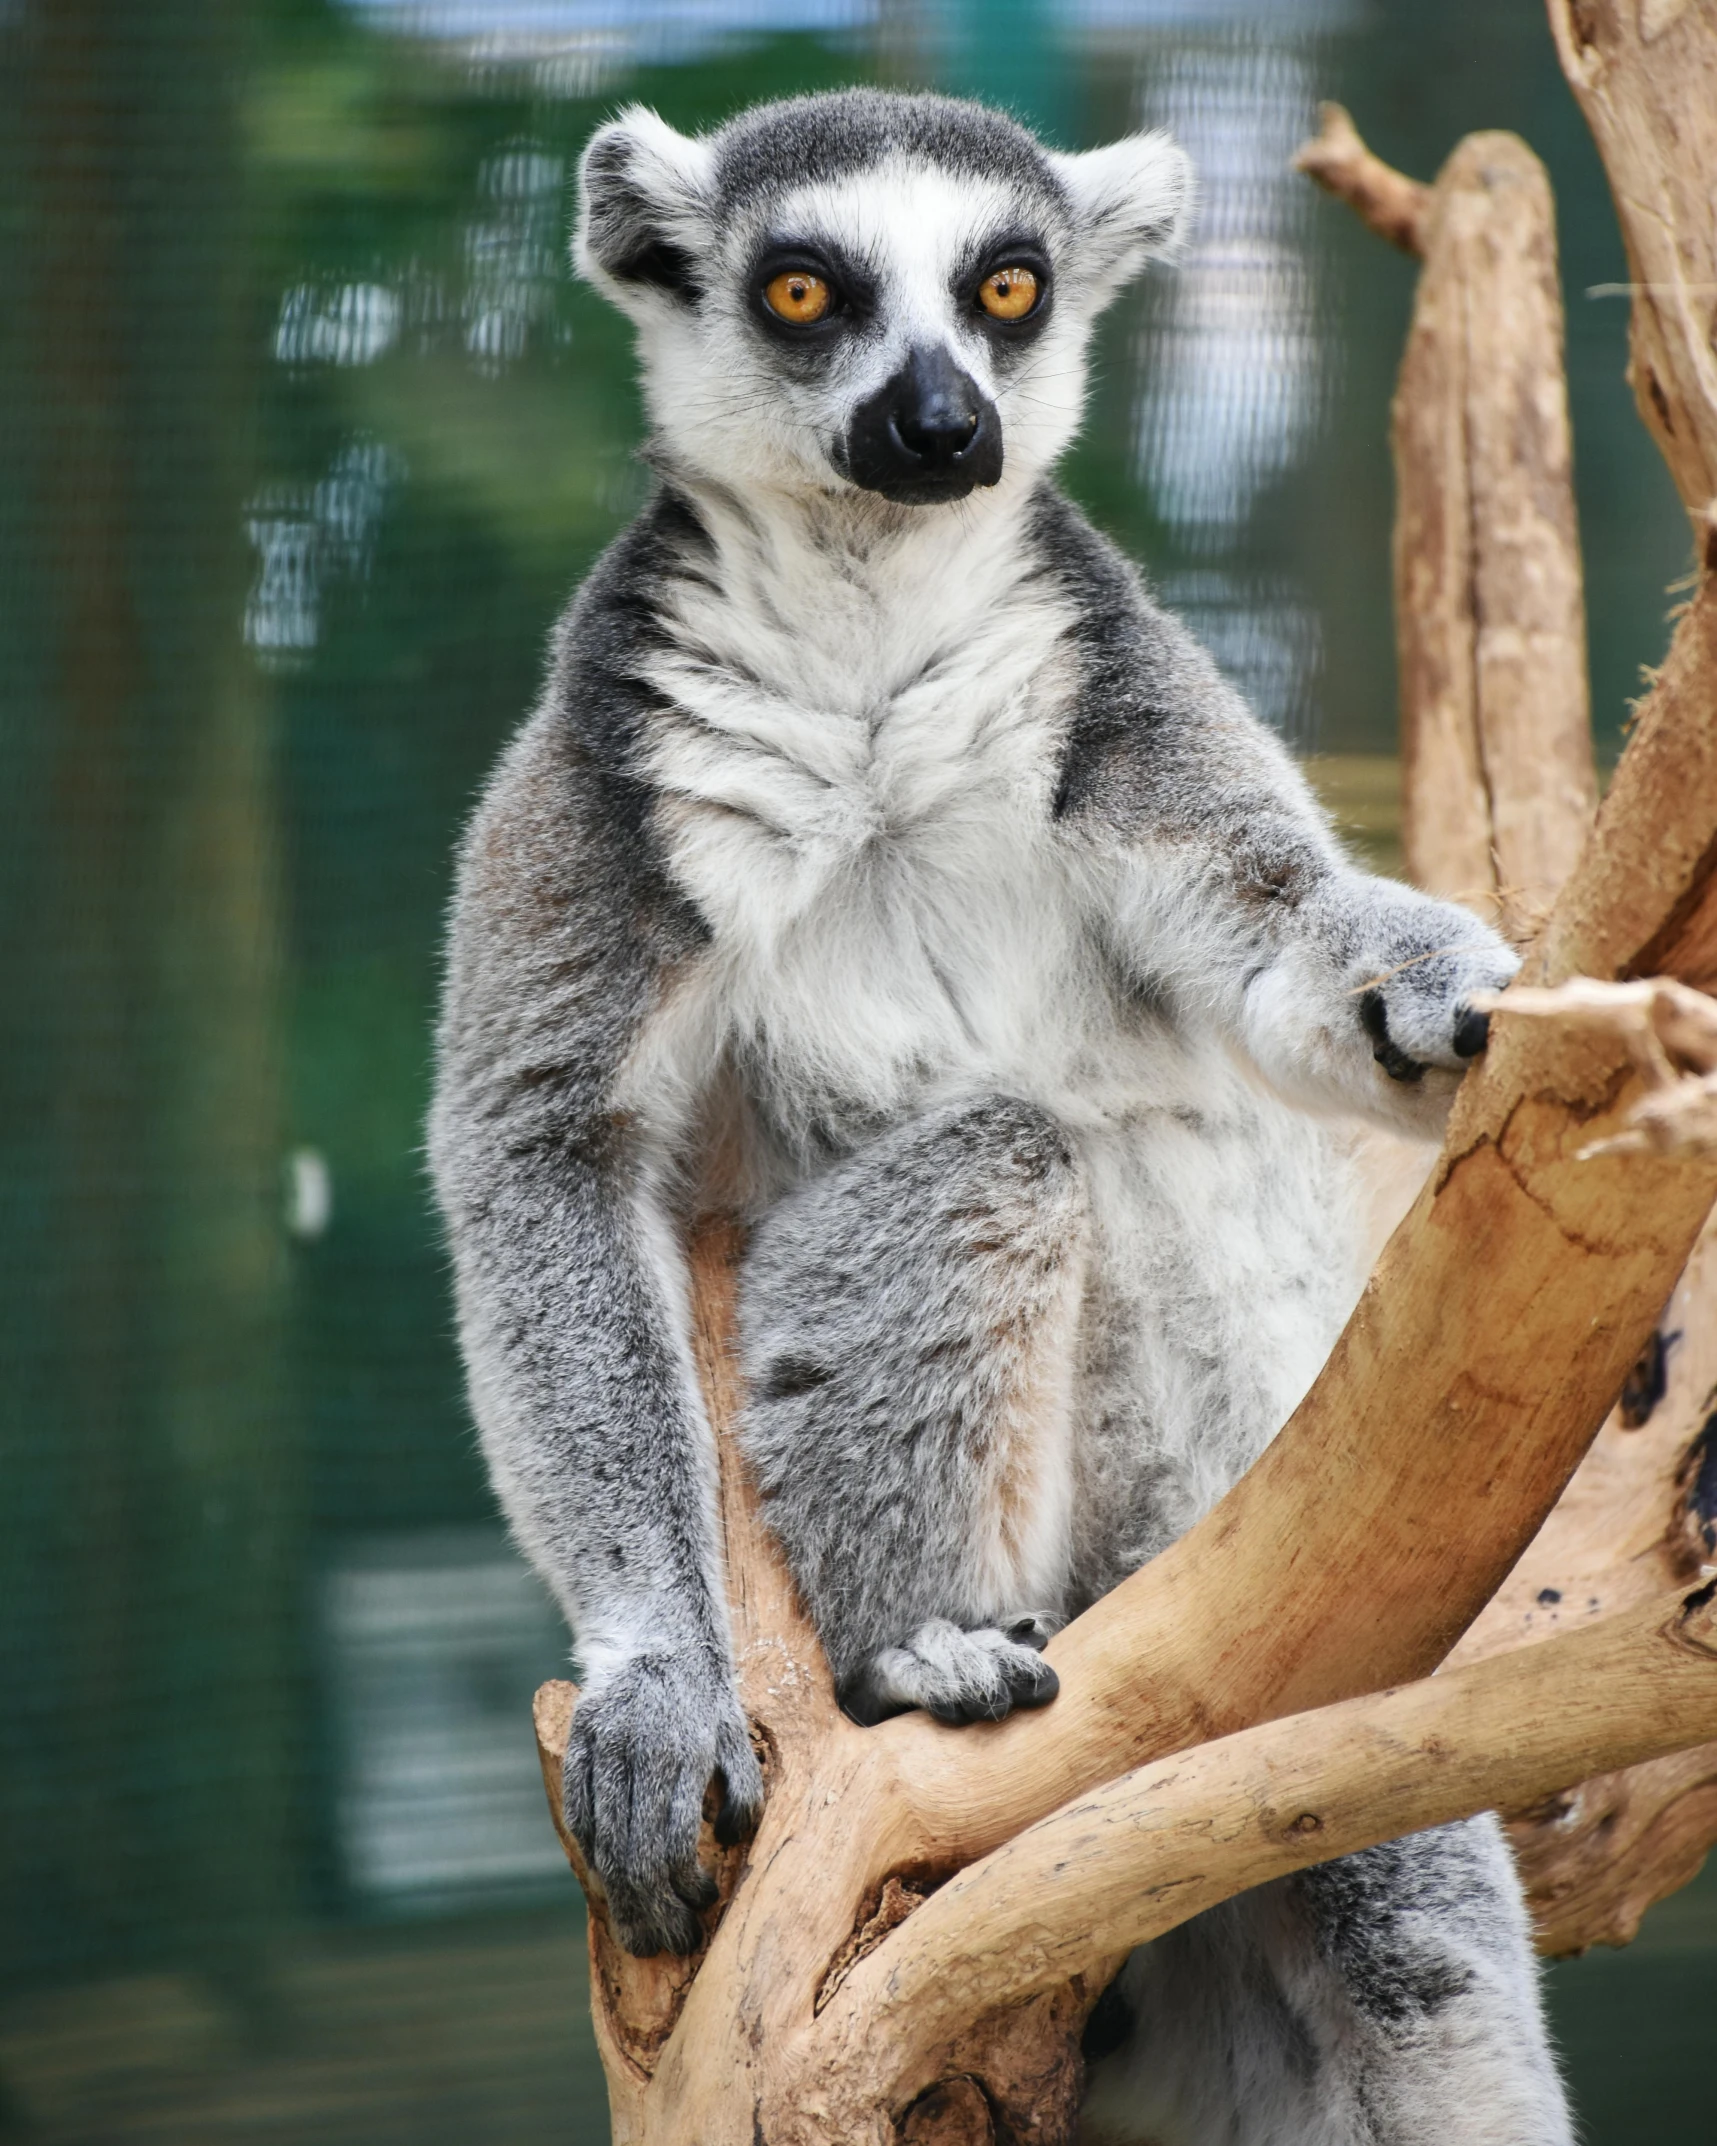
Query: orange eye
798	296
1008	293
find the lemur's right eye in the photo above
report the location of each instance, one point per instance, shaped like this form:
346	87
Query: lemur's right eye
797	296
1010	293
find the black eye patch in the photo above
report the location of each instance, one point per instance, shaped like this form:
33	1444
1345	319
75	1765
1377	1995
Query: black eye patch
1013	249
852	289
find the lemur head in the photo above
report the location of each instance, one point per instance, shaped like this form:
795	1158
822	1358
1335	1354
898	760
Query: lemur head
867	293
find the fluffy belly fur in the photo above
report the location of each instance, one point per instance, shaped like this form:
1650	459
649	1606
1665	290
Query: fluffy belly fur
1225	1259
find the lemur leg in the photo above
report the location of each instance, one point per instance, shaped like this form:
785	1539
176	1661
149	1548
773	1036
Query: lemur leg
1390	1999
908	1323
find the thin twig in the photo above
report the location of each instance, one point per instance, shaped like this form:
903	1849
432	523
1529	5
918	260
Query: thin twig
1386	200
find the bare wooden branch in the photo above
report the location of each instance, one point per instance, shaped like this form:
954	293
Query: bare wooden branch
1122	1865
1384	199
1596	1856
1670	1032
1615	920
1645	74
1656	1812
1494	1334
1498	784
1640	1515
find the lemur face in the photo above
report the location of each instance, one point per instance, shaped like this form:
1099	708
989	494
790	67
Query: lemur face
868	293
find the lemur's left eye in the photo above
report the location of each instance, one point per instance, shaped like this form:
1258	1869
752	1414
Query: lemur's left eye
797	296
1009	293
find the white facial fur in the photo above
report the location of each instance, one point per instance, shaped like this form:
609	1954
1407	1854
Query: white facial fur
730	404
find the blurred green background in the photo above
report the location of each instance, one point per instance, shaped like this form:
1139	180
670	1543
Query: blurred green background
305	433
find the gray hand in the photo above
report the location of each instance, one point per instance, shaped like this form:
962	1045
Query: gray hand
1419	1013
643	1749
956	1674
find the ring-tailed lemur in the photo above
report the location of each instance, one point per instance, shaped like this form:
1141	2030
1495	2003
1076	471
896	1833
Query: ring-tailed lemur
884	865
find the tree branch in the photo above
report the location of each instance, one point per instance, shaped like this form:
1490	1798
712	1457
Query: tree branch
1120	1866
1486	1351
1644	72
1645	899
1497	778
1386	200
1498	787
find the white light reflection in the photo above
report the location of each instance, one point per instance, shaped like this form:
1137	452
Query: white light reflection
304	535
1235	374
345	324
514	252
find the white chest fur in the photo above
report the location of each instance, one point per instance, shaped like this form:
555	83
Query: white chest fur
855	773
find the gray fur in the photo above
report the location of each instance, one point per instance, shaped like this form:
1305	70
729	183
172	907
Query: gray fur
904	880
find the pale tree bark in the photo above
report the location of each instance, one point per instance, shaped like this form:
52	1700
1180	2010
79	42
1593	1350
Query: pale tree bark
1640	1514
911	1943
1645	75
1597	1856
1498	787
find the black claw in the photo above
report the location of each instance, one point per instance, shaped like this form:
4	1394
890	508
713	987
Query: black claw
1374	1019
862	1701
1472	1032
736	1818
1040	1692
1028	1632
696	1887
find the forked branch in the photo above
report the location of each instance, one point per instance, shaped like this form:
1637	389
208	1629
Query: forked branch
1118	1867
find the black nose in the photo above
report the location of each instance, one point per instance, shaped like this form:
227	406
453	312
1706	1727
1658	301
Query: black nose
938	413
927	434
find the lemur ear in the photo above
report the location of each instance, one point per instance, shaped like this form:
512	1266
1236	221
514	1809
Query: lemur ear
643	206
1131	202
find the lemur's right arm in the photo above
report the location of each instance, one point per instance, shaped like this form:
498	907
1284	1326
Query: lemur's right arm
1221	887
572	1314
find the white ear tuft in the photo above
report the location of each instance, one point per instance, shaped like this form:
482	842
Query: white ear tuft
643	205
1131	202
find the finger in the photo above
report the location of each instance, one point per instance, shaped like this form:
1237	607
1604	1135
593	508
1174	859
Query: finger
664	1812
577	1800
649	1920
1033	1684
867	1699
685	1873
1374	1019
741	1780
649	1913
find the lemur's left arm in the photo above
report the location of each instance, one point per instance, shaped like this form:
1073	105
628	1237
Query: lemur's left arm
1220	883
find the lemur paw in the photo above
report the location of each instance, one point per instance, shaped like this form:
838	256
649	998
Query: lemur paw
958	1676
1419	1013
643	1749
